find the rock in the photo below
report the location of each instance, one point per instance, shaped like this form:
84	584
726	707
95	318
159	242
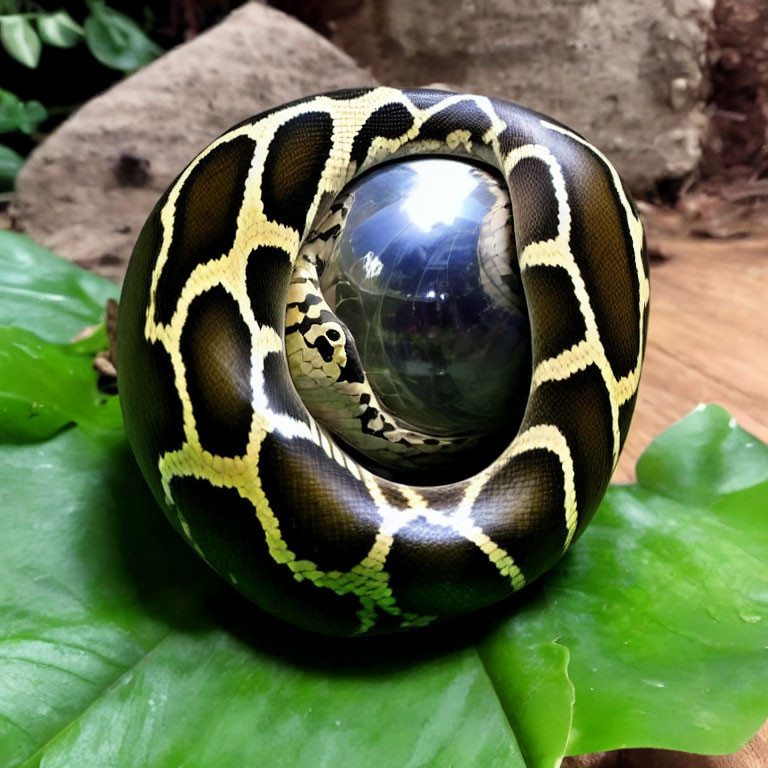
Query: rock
86	191
628	75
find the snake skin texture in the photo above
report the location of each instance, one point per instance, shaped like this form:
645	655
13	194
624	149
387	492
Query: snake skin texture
244	472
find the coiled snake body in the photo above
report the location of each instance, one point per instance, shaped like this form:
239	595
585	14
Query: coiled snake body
254	483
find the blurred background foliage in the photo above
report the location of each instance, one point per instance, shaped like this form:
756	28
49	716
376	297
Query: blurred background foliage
54	56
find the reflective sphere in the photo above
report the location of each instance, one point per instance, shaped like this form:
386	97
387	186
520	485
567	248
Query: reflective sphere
425	277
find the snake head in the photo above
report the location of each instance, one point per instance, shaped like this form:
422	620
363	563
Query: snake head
329	340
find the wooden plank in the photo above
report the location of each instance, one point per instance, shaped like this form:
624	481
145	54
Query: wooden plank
707	337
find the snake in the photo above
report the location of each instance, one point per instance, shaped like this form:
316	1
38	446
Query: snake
328	370
262	490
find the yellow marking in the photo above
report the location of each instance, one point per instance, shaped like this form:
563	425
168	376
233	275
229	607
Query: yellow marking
368	579
557	253
240	473
568	362
459	137
185	527
626	387
496	554
550	438
415	500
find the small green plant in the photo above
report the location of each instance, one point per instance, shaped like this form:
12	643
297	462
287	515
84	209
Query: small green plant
16	115
113	38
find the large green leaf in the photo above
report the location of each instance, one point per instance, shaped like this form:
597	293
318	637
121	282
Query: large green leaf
44	386
45	294
663	604
118	647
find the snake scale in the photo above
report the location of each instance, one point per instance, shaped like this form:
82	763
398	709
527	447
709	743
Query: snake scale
248	477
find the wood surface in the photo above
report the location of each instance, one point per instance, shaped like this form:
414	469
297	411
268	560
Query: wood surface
707	335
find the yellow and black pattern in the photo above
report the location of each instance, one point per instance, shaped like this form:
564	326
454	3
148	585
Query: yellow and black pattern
329	375
244	472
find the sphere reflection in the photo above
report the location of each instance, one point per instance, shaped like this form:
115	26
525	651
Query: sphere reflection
425	277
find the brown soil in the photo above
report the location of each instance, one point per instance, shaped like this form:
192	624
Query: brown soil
738	56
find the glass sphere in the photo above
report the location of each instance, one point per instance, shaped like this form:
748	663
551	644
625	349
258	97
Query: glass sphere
424	275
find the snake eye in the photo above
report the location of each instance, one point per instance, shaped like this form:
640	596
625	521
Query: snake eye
416	263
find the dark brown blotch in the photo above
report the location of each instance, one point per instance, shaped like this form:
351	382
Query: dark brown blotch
226	528
602	248
216	349
463	115
433	570
151	405
580	407
531	183
205	218
267	276
522	508
294	166
391	121
325	514
279	389
553	309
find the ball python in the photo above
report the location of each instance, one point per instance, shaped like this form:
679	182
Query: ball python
325	364
254	484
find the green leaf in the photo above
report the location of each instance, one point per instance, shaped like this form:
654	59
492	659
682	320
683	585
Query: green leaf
116	40
46	294
527	664
10	163
44	387
718	460
16	115
107	614
119	647
59	29
20	40
663	604
34	114
46	384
